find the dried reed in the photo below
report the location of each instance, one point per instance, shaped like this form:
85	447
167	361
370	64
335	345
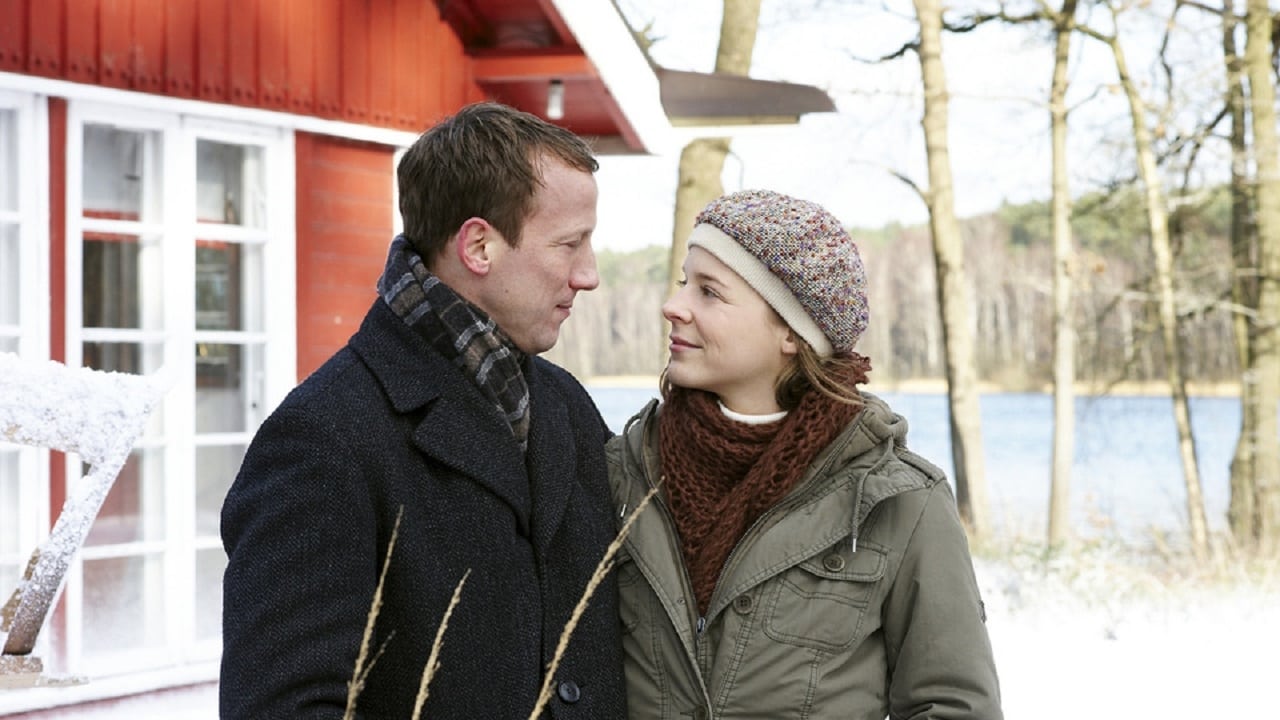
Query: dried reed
433	662
361	672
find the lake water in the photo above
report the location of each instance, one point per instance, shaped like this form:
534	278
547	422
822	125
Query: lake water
1127	475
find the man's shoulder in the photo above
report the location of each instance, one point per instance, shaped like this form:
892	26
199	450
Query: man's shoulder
342	375
559	378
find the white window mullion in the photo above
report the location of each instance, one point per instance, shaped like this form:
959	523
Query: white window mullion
35	239
73	265
280	301
180	454
28	171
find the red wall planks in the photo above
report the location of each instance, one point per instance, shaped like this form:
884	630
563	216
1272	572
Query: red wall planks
180	49
389	63
147	49
345	209
242	61
355	60
82	42
13	35
211	50
273	45
46	45
115	43
328	58
300	56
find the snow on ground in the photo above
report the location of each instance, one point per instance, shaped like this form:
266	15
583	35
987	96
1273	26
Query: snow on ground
1105	640
1094	638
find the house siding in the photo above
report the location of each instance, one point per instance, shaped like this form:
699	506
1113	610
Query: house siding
386	63
345	206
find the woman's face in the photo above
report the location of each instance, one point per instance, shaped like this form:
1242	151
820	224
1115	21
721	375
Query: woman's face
725	338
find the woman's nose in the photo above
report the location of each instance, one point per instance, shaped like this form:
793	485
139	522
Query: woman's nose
674	310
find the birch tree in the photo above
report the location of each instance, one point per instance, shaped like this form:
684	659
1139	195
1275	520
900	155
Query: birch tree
953	293
1262	369
1064	366
1158	231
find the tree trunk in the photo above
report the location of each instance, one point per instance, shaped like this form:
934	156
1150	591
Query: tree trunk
953	294
1244	290
1064	336
1158	222
702	161
1266	327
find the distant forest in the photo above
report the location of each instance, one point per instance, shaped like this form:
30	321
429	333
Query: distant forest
617	329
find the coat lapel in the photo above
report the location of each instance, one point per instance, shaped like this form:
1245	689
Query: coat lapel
551	458
459	428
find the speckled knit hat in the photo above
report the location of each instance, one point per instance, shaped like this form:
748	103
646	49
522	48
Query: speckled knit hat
797	256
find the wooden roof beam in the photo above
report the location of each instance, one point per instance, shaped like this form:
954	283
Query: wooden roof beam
525	65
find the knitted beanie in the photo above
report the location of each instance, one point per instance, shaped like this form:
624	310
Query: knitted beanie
797	256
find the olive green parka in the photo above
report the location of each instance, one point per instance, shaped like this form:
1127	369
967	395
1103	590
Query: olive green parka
853	598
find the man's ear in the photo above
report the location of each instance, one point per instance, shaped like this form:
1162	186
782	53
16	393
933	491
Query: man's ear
472	244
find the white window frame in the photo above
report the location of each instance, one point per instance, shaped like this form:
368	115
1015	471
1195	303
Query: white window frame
31	124
178	138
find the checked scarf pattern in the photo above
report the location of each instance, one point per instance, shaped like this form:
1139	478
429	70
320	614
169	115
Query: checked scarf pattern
460	331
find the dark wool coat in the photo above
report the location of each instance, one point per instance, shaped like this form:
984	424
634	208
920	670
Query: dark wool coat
390	425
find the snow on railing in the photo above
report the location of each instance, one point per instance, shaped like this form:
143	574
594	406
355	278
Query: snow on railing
96	415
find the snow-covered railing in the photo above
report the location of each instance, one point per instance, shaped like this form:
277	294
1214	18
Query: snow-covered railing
96	415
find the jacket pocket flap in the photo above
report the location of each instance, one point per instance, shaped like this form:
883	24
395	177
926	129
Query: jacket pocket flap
840	562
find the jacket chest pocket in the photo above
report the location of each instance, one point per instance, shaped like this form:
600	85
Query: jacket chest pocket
823	602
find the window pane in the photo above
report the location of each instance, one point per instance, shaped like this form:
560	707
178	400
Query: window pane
230	184
209	567
134	509
216	467
123	604
8	160
8	506
115	171
217	286
9	273
122	281
228	387
136	358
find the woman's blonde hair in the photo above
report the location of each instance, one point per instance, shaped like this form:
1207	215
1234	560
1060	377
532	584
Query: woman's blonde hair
808	370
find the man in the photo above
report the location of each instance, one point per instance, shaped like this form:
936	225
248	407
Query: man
440	410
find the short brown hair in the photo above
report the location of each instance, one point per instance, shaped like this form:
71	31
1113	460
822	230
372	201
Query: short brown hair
481	162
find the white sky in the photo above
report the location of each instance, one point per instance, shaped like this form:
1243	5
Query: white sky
996	76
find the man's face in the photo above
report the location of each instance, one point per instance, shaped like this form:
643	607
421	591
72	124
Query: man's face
530	289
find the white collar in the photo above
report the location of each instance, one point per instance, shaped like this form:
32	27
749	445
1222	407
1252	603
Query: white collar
751	419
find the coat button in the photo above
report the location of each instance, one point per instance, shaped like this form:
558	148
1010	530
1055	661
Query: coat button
833	562
568	691
700	713
743	604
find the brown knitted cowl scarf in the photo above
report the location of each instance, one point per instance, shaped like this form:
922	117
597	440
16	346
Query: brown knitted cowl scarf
722	475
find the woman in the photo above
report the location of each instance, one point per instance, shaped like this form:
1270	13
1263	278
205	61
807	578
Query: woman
799	561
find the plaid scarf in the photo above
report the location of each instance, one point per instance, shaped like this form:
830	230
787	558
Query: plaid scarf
460	331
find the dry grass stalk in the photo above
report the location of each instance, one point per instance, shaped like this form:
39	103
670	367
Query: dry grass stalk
433	662
362	670
597	577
